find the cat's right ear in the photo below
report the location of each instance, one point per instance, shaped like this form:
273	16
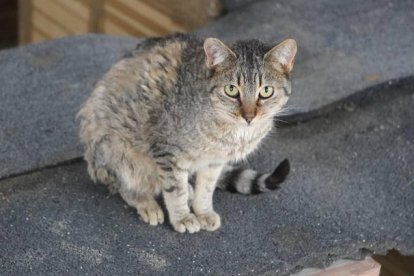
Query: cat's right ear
217	52
282	56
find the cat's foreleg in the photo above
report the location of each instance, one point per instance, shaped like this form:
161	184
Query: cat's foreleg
203	197
176	196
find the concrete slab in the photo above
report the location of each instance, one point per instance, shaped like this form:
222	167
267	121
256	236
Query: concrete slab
351	188
42	88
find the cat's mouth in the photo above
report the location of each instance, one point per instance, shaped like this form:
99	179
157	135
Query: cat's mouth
244	121
247	122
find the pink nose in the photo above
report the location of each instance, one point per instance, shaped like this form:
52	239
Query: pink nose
249	116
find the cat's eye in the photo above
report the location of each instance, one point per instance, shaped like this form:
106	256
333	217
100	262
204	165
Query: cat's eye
266	92
231	91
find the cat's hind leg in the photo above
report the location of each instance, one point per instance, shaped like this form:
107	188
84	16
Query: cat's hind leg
147	207
140	185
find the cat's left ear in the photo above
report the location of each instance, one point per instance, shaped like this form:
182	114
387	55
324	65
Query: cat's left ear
282	56
217	52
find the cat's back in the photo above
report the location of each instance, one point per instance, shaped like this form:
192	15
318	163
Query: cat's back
138	86
154	69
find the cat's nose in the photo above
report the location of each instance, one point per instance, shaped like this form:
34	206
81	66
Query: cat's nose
249	116
248	111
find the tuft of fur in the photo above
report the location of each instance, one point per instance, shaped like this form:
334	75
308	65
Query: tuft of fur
161	115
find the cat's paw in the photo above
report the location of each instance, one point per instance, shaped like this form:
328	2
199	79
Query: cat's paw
209	221
188	223
151	212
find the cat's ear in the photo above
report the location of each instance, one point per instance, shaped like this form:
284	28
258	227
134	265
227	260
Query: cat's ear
217	52
282	56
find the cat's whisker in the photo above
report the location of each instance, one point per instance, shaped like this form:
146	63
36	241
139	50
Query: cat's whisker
277	120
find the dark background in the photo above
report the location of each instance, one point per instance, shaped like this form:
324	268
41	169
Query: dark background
8	23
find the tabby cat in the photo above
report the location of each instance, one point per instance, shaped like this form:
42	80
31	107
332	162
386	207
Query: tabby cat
181	108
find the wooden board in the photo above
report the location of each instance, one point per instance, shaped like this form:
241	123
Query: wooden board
46	19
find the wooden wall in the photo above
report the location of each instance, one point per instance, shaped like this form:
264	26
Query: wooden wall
45	19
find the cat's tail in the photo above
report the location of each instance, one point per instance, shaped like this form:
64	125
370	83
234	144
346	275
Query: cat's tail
246	181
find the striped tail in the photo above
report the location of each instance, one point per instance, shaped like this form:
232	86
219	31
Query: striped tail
246	181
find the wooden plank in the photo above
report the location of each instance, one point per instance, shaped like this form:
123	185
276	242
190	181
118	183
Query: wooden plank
149	13
25	20
57	18
109	27
44	23
95	15
61	16
132	26
38	35
150	26
192	14
78	7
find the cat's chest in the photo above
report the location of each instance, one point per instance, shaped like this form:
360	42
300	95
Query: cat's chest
242	145
235	145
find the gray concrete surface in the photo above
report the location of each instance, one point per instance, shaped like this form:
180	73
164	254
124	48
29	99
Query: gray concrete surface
351	187
42	88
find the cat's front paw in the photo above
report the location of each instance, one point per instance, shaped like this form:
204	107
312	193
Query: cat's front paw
189	223
209	221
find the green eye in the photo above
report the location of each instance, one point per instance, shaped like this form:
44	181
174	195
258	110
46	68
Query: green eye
266	92
231	91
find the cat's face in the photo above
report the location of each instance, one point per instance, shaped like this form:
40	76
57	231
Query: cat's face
250	83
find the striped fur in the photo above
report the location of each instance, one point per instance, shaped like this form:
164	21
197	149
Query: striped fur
246	181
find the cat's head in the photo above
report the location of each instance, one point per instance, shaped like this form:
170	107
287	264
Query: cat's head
250	82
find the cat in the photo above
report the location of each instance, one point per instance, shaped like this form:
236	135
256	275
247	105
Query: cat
181	107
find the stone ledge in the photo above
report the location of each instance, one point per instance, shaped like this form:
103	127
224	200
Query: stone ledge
350	190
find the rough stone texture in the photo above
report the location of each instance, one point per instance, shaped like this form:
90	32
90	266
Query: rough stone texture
344	46
42	88
352	187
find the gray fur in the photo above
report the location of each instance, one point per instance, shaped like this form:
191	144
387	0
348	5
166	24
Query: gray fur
160	115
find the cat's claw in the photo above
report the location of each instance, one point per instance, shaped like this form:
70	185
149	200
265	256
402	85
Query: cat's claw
189	223
151	212
209	221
